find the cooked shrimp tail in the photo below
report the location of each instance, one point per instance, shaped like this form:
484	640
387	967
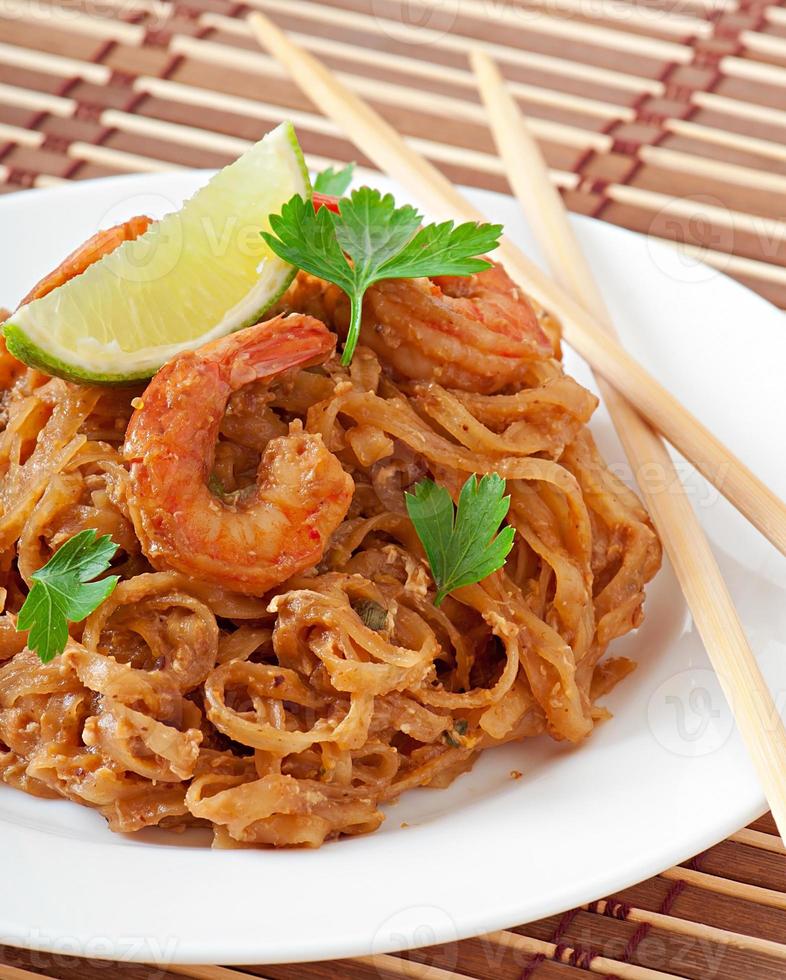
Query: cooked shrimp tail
474	333
95	248
256	539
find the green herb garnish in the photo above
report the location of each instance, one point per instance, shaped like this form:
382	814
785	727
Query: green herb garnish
334	182
371	239
63	592
462	545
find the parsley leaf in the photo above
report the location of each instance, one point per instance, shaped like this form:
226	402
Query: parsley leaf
371	239
462	546
451	248
62	591
334	182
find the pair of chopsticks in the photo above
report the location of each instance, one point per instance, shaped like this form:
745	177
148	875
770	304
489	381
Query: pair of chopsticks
575	298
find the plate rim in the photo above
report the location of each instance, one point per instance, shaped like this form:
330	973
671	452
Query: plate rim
205	950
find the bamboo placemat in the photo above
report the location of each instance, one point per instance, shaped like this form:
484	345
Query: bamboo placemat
665	116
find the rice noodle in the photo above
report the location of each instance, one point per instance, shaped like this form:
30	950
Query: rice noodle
290	717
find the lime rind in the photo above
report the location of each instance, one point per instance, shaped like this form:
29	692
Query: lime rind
25	350
139	306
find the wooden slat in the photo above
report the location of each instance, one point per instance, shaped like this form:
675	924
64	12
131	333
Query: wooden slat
505	19
14	973
685	927
469	159
212	973
726	886
755	838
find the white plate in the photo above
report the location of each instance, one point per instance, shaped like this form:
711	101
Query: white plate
663	780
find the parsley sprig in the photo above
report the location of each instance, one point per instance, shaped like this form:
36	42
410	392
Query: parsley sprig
372	239
63	592
334	182
462	545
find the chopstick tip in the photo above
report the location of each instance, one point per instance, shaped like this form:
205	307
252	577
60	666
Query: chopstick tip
259	23
482	63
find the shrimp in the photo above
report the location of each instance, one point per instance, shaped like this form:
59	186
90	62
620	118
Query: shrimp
311	296
95	248
471	333
250	541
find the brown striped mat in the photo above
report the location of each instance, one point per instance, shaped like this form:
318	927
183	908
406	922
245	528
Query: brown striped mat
665	116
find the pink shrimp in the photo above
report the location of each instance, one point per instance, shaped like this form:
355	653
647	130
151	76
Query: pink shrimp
95	248
472	333
261	536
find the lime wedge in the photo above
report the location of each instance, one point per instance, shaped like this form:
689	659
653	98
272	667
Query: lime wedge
199	273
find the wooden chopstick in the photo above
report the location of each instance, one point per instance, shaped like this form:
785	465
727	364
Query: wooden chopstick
694	564
382	144
688	548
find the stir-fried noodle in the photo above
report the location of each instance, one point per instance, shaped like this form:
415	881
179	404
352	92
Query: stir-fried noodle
272	663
